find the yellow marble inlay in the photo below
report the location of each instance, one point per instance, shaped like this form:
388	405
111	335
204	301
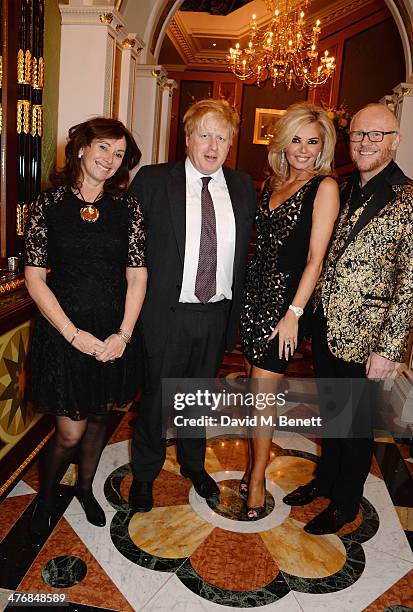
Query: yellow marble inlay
302	554
171	532
170	462
70	476
290	472
405	516
212	463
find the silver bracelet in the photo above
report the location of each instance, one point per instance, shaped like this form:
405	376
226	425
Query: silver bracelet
123	335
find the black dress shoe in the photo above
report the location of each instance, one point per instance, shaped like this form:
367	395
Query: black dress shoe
41	518
330	520
203	483
140	496
93	510
302	495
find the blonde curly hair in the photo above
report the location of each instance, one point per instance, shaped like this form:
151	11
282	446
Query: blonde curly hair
297	116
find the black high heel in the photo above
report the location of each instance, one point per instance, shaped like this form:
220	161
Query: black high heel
254	513
41	518
243	489
94	512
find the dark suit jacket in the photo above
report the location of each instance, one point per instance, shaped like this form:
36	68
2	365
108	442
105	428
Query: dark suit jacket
161	190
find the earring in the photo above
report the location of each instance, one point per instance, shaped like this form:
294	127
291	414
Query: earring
318	158
80	155
283	161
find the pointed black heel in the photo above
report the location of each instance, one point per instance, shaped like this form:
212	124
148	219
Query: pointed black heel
94	512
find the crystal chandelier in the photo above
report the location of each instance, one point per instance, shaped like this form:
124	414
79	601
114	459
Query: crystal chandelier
285	52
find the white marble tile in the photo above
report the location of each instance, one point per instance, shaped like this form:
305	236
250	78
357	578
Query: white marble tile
295	441
390	537
21	488
372	479
4	598
380	573
114	456
137	584
176	597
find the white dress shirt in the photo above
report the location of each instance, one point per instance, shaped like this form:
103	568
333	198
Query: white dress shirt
225	225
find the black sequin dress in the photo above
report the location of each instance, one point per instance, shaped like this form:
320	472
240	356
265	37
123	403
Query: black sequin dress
274	273
88	263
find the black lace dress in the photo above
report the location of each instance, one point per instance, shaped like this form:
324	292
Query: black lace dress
273	275
88	263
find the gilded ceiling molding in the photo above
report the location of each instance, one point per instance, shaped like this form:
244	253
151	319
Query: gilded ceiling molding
180	40
152	71
91	15
133	42
107	18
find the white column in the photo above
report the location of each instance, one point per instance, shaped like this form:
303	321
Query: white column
403	107
89	39
165	120
146	111
131	48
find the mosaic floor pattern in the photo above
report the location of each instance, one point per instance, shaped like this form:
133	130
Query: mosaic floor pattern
188	556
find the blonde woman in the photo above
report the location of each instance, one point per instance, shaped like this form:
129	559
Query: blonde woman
294	222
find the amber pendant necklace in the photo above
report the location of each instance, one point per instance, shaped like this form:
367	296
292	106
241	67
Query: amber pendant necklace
89	213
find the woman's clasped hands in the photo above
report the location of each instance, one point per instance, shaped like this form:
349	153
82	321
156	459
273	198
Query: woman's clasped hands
108	350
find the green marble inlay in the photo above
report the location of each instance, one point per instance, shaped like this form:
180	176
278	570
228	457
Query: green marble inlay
63	572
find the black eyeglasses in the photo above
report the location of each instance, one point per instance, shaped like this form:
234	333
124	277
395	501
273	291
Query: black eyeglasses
374	136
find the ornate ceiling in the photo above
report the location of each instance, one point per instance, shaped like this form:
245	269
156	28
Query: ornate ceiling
201	33
214	7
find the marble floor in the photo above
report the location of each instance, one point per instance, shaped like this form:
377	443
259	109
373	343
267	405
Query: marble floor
186	556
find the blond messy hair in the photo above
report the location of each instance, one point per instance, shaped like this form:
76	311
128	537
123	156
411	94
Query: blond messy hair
297	116
219	108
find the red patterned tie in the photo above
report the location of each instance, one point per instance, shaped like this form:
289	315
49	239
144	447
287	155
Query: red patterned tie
206	284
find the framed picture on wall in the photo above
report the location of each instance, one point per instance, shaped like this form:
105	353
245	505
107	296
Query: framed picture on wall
265	122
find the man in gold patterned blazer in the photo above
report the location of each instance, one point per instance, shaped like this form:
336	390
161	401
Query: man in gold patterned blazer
363	304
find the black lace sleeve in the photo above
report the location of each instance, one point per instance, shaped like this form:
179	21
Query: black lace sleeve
35	252
136	253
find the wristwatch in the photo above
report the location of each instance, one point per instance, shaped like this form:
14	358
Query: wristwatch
296	310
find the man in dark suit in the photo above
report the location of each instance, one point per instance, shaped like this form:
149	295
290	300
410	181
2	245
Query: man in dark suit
198	218
363	306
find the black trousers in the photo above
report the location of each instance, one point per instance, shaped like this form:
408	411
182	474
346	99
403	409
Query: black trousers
194	349
345	462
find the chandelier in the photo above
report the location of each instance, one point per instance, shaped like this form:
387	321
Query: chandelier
285	52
